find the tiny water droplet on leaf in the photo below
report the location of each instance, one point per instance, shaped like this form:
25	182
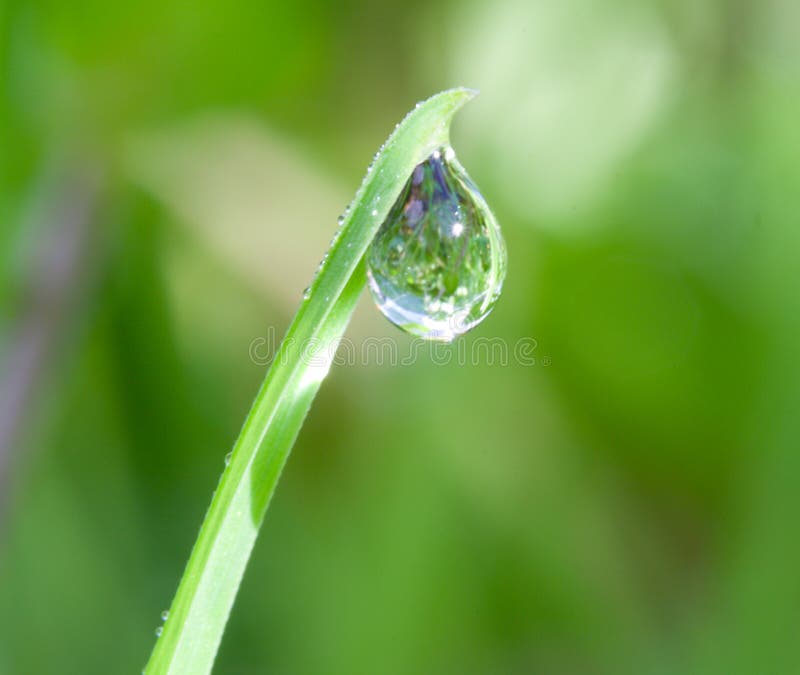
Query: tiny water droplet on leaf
165	615
437	265
159	630
228	458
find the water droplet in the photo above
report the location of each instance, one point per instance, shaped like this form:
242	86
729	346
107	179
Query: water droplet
306	292
159	630
374	212
165	615
228	458
335	236
437	265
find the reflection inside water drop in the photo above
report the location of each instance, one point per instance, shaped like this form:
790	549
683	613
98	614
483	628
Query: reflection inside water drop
436	266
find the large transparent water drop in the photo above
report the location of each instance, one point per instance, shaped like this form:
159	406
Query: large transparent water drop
436	266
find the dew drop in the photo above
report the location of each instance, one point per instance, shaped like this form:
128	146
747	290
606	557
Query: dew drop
340	220
228	458
165	615
437	265
159	630
374	212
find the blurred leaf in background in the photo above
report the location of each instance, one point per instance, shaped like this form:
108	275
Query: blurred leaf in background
170	175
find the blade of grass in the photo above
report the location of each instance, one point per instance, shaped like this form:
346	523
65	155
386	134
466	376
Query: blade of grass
206	593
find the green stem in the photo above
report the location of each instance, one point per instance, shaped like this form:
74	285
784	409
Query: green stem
206	593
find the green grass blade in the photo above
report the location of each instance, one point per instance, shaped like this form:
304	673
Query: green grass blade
208	588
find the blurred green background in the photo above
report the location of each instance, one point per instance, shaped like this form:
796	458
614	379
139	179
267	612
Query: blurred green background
170	175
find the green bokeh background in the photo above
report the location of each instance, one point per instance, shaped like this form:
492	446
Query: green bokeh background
170	175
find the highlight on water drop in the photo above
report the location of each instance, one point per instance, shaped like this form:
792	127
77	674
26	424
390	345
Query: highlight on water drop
437	265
